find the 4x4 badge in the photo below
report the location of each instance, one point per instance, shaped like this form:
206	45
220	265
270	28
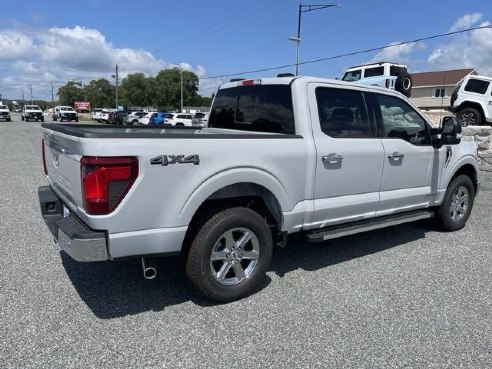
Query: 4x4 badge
165	160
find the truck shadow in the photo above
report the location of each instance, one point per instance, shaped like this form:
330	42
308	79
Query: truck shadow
116	289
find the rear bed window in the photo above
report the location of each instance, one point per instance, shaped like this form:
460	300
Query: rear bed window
261	108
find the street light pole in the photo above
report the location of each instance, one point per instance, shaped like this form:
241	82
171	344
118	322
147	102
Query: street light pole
181	69
297	40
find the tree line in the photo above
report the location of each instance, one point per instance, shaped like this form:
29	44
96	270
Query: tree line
162	91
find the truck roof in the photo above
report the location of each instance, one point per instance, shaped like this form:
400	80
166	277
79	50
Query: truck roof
304	79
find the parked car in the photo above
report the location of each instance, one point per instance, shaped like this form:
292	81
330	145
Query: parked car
312	155
5	113
200	119
384	74
96	113
472	101
32	112
179	119
104	115
146	118
133	117
117	117
160	118
65	113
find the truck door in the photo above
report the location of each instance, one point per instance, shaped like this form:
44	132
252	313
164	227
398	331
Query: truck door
349	155
410	161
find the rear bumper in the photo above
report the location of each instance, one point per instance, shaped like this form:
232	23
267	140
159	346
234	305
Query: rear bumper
72	235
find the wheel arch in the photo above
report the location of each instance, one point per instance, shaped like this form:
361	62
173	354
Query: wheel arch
468	170
245	194
474	105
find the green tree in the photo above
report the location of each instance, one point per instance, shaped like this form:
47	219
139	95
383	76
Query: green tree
168	88
70	93
100	93
136	90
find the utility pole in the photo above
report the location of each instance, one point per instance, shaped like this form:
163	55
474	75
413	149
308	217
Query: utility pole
116	77
23	102
181	89
52	98
30	89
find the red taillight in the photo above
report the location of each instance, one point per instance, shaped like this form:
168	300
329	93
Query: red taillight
44	157
106	181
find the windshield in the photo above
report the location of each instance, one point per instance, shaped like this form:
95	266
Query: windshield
351	76
3	107
66	108
33	107
199	115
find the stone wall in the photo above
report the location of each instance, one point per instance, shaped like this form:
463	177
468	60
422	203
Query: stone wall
482	135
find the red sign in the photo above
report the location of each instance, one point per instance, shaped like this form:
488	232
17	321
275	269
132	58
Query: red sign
82	105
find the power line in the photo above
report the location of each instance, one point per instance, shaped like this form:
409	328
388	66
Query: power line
351	53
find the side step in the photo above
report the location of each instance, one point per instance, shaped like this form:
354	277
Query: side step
367	225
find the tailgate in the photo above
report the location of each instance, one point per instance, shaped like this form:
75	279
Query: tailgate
62	157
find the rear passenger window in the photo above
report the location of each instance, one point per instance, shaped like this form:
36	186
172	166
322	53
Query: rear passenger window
399	120
477	86
262	108
342	113
374	72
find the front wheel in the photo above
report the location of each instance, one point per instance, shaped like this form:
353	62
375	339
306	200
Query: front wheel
456	207
230	254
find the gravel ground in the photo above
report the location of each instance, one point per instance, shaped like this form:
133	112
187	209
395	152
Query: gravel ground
404	297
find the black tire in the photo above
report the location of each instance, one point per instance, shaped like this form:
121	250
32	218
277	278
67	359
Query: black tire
454	202
54	119
179	124
22	118
404	83
235	222
469	117
42	119
9	120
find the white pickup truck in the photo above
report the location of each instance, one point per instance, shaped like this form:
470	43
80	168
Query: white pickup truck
280	155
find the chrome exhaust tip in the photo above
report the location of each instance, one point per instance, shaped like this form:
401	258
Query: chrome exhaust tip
149	271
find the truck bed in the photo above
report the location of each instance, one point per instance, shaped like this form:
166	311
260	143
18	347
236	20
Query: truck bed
103	131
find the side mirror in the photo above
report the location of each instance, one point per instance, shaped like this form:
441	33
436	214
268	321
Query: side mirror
451	131
448	134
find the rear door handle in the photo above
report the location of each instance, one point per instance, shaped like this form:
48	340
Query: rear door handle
332	158
396	156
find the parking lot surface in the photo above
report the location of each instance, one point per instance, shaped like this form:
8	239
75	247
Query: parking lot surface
402	297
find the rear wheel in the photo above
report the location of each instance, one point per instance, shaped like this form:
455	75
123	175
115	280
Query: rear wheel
456	207
469	117
230	254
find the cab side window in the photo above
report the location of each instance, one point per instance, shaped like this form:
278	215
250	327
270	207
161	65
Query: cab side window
342	113
400	121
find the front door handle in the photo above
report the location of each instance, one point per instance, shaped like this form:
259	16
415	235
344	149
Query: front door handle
332	158
396	156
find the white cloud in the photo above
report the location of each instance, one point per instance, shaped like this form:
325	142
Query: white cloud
470	50
399	53
59	54
14	45
466	21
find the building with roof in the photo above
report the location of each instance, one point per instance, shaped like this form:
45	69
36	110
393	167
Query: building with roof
433	90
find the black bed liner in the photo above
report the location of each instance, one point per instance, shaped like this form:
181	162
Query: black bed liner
102	131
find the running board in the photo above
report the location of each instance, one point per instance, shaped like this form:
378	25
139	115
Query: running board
367	225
